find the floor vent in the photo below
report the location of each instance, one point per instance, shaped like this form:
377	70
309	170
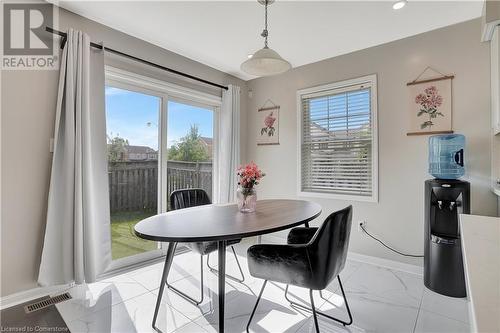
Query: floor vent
46	303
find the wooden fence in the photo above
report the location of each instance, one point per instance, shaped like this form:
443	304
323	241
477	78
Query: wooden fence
133	186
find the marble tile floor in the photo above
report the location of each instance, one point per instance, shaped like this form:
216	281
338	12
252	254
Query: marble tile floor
381	300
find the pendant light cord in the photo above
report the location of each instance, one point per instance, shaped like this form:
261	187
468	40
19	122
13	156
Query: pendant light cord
265	32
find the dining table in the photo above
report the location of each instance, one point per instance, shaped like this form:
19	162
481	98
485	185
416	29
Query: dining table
221	223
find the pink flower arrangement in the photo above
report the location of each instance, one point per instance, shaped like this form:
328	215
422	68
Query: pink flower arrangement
249	175
429	102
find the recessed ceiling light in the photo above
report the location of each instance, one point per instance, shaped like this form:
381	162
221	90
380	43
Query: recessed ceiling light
399	4
249	56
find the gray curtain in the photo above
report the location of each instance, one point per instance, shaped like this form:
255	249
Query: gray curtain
228	145
77	237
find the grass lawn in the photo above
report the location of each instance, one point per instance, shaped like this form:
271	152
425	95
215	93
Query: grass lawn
124	243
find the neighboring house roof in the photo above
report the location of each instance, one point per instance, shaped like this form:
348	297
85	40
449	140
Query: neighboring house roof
325	134
139	150
207	141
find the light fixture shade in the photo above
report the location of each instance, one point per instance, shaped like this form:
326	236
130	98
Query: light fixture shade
265	62
399	4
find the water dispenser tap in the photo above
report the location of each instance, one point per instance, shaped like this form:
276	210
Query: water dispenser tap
440	204
452	205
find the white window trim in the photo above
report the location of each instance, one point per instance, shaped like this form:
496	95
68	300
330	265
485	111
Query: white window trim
165	91
372	79
162	87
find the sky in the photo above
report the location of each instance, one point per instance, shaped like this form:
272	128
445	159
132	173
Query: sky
135	117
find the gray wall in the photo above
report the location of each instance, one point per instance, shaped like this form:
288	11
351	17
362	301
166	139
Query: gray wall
398	216
28	110
27	124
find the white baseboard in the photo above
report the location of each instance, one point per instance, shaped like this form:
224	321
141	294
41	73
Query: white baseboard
386	263
30	294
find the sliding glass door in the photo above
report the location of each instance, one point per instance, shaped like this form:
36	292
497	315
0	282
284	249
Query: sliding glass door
190	147
157	143
132	166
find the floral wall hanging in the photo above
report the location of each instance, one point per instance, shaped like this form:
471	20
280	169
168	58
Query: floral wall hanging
430	105
268	119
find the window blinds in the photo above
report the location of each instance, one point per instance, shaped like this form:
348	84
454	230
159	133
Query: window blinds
337	141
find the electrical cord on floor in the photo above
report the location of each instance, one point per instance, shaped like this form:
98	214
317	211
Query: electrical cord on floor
390	248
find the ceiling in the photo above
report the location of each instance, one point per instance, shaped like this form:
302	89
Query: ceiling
222	34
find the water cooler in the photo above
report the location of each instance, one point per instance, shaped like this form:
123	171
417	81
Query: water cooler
445	198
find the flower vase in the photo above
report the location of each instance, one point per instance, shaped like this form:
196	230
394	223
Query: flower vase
247	199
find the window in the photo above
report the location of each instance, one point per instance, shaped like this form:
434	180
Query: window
338	140
160	139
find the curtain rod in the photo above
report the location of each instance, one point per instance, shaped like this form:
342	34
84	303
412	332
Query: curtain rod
98	46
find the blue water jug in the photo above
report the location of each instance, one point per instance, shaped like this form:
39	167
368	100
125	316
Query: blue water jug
446	156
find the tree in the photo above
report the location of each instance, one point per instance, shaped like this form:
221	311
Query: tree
116	149
190	148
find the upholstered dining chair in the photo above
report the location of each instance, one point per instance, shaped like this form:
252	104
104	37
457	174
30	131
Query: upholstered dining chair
186	198
311	259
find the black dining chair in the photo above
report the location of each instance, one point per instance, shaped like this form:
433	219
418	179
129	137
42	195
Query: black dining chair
312	258
192	197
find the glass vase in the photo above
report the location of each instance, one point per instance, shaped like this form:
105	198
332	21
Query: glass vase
247	199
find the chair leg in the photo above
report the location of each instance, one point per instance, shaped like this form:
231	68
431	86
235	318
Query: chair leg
256	304
314	311
215	271
345	323
345	300
184	295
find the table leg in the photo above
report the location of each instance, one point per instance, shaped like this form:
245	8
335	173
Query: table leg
166	268
222	282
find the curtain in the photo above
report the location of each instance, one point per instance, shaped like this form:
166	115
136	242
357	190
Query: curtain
228	158
77	236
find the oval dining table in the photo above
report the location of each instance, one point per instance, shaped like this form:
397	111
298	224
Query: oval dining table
221	223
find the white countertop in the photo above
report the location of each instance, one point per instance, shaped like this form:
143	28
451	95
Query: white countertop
481	252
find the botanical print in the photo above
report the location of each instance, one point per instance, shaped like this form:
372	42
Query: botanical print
268	126
429	102
430	107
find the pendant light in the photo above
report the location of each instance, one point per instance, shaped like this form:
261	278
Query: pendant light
265	61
